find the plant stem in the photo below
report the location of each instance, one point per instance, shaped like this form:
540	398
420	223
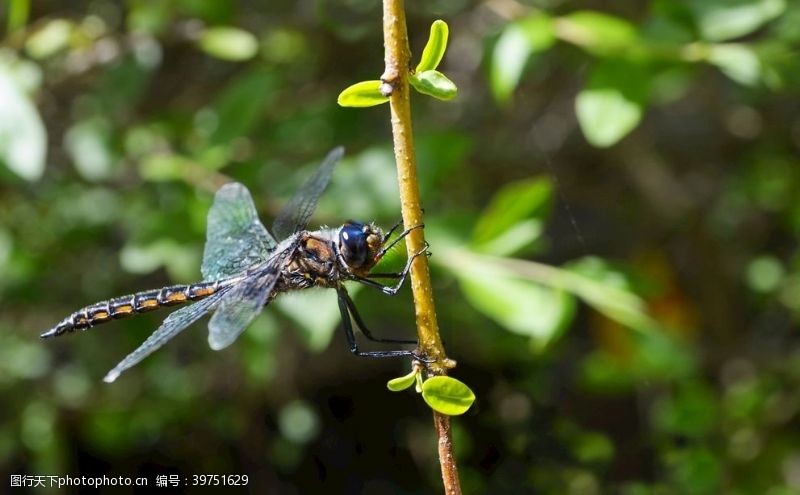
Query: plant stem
395	78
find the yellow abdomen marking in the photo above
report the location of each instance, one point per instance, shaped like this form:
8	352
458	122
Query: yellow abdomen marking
125	309
202	291
100	315
176	297
148	303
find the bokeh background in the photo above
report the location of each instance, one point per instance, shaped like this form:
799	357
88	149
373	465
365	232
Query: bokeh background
612	203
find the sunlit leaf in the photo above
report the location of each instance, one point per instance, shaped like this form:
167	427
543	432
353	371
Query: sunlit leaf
505	289
87	144
159	167
764	274
362	94
435	48
720	20
609	291
518	305
23	138
518	41
518	238
737	61
180	260
613	101
49	39
447	395
601	271
514	218
402	382
316	315
299	422
434	83
18	11
598	33
149	17
229	43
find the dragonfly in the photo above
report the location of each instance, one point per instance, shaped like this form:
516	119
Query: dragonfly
245	267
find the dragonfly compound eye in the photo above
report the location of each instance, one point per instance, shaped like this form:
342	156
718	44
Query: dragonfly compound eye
353	244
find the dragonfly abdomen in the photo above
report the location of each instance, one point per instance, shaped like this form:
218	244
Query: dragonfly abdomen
141	302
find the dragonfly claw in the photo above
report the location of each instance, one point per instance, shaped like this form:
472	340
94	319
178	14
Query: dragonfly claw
422	358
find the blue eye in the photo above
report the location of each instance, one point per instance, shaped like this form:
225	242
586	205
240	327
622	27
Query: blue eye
353	243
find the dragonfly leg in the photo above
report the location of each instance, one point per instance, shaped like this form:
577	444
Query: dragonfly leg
353	345
394	242
351	306
385	275
392	290
394	227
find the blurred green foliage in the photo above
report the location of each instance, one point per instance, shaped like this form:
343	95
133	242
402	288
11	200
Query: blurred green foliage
610	201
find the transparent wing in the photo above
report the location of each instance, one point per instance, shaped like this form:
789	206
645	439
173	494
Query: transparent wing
246	300
169	328
235	239
239	309
294	216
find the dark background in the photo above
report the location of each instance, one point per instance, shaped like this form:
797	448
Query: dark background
633	329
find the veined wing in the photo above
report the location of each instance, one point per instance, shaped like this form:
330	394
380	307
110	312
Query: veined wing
245	301
169	328
236	238
294	216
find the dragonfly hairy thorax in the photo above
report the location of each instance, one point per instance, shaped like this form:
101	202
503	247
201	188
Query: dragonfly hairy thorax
244	268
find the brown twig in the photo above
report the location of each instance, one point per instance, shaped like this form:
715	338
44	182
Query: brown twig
395	79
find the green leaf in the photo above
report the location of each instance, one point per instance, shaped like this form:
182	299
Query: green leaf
514	217
601	271
518	41
316	314
18	11
609	291
88	145
720	20
765	274
179	260
239	109
403	382
160	167
447	395
592	447
434	83
520	237
51	38
613	102
519	305
362	94
597	33
435	48
23	138
299	422
501	288
737	61
229	43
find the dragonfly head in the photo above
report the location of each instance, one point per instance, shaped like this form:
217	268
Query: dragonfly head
359	244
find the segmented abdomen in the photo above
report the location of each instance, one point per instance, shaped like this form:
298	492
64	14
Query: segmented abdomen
141	302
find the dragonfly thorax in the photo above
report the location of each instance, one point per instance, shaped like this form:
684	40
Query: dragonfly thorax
359	245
